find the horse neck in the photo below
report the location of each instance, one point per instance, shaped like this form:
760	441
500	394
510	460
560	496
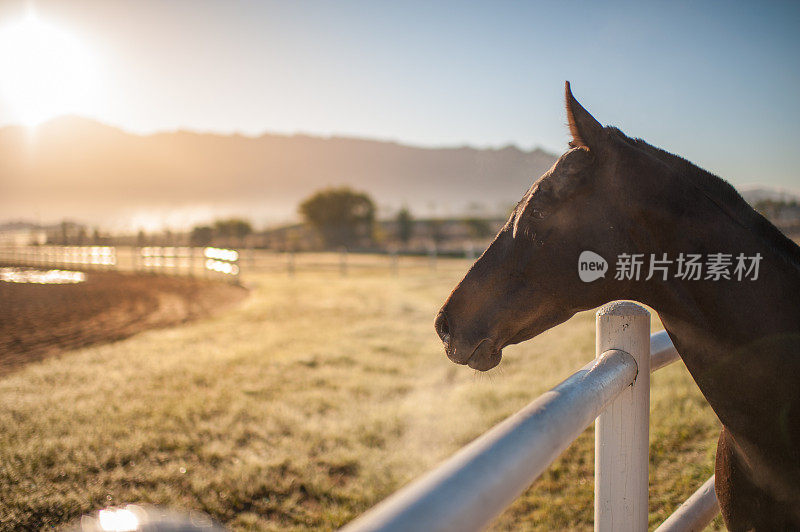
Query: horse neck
739	339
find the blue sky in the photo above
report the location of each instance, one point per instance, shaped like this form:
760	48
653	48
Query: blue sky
716	82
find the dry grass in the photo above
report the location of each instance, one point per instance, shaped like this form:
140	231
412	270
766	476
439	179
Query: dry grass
303	407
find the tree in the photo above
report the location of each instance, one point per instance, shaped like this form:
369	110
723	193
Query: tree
341	216
232	228
201	235
405	225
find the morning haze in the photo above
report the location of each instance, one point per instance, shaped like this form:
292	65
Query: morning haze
145	179
714	83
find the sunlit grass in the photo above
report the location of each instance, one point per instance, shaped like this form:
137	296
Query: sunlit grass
299	409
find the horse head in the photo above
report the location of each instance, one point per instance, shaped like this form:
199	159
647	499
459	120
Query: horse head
527	280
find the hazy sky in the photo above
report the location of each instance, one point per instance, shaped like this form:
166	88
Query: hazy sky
716	82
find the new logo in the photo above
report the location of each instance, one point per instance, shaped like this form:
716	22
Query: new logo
591	266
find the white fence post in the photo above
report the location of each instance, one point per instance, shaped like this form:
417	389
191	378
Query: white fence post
621	432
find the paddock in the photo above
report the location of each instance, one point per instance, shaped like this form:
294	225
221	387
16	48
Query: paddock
316	398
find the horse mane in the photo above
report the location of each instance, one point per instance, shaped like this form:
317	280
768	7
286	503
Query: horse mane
724	195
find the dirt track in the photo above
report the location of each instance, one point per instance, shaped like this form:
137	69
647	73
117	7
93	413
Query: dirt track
37	321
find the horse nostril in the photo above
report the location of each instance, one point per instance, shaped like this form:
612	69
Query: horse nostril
442	328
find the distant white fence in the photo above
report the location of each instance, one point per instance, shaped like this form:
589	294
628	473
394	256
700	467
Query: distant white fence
208	261
94	257
187	260
481	480
352	263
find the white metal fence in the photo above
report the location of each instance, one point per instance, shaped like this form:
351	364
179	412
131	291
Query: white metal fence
345	263
192	261
481	480
186	260
94	257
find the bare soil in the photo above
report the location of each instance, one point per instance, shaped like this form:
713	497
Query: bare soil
39	320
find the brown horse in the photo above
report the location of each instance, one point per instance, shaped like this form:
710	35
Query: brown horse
725	282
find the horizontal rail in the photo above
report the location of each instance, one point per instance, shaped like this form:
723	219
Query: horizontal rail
476	484
695	513
702	507
662	352
481	480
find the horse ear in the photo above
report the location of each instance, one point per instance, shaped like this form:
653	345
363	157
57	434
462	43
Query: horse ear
585	130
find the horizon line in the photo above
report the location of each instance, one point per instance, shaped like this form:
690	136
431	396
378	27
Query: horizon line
31	129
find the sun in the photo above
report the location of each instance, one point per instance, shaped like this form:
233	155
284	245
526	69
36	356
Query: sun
45	71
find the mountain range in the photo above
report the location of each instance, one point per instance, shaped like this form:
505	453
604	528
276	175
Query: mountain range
90	172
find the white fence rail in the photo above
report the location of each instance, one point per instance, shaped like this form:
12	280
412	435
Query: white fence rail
345	263
96	257
186	260
694	514
192	261
476	484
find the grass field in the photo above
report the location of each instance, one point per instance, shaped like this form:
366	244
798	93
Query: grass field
312	400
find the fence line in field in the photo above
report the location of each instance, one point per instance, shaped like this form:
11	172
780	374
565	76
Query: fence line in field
94	257
185	260
191	261
346	263
481	480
